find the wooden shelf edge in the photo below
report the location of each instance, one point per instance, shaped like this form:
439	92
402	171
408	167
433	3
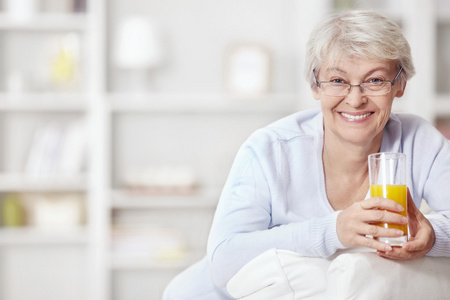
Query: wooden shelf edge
28	236
442	107
45	22
36	102
203	198
200	103
23	183
124	264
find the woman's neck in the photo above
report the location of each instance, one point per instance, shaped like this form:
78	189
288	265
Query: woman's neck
346	158
346	171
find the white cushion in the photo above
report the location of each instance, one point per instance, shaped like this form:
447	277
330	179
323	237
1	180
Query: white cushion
280	274
368	276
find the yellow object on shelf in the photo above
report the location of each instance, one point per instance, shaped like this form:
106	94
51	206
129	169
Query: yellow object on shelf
63	67
12	211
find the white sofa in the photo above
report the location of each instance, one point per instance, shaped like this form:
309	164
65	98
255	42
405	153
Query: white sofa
282	275
357	273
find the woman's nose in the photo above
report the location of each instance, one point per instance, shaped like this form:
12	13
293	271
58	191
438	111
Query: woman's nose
356	97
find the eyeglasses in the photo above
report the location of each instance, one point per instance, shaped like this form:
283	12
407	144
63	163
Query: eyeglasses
337	89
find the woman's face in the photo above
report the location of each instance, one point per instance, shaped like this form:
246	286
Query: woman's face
357	118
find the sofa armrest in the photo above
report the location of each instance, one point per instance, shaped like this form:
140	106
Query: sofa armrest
280	274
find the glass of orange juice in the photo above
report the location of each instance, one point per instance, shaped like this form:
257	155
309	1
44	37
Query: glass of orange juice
387	175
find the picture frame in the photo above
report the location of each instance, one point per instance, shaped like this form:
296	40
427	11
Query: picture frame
248	70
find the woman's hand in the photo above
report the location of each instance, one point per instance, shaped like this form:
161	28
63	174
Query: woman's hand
357	221
422	236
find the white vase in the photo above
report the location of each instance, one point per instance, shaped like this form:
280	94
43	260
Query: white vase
21	9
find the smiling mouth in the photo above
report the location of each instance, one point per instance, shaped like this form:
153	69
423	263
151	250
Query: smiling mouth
355	117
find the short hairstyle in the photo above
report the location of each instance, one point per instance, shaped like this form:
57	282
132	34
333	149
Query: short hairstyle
358	34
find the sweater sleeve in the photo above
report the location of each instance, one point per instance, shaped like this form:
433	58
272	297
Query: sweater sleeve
243	227
431	166
437	194
441	226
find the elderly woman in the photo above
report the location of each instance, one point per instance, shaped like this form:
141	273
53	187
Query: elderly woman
301	184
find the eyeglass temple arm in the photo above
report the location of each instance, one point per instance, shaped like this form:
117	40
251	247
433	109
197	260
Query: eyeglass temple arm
397	76
315	78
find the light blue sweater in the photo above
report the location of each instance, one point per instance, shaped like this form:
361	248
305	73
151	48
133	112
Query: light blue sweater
275	194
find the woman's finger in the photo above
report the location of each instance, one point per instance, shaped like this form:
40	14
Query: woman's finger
383	216
371	243
423	240
378	231
415	244
398	253
413	211
381	203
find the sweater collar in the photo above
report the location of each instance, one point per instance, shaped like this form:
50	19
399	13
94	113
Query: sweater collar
392	135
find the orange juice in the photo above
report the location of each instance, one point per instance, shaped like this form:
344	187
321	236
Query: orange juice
396	193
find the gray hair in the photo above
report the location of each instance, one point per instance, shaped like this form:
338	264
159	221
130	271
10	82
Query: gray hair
358	34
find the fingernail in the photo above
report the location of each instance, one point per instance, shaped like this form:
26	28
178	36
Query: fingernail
399	232
404	220
400	208
387	248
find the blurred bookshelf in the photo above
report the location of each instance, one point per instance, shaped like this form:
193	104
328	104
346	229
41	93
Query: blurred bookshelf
43	113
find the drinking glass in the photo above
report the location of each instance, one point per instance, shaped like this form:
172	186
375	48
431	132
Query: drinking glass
387	175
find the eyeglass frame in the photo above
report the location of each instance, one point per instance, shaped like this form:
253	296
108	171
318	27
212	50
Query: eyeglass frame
361	88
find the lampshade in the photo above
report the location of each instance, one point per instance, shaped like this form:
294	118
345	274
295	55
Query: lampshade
137	44
20	10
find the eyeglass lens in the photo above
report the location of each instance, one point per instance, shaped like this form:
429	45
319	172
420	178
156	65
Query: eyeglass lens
342	89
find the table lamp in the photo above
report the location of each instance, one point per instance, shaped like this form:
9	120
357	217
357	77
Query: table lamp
137	51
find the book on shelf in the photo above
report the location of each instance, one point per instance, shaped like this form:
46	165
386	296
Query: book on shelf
153	242
52	212
161	180
79	6
55	211
57	150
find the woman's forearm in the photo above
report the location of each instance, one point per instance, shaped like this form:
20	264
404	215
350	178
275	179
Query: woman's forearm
228	253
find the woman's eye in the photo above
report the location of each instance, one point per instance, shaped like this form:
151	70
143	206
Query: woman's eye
337	81
375	80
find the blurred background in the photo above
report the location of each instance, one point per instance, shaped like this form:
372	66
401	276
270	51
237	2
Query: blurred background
119	121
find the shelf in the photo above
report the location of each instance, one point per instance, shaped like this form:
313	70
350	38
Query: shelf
45	22
123	264
122	199
443	17
442	106
43	102
24	183
27	236
201	103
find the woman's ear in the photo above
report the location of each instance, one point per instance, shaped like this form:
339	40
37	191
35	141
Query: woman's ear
400	91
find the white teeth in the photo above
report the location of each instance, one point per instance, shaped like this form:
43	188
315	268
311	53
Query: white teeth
359	117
